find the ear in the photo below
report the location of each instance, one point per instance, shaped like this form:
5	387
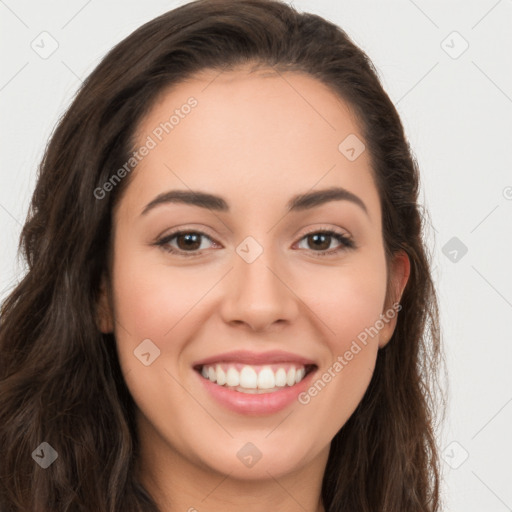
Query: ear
104	316
400	269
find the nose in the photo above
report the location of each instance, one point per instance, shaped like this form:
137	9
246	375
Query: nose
257	294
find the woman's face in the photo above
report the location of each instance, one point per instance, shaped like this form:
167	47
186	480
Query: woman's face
248	287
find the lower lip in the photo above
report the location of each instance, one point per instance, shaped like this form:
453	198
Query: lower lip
256	404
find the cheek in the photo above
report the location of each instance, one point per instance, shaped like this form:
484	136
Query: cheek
151	299
157	302
351	308
349	301
353	305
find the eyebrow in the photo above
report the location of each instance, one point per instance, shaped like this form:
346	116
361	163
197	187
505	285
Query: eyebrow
297	203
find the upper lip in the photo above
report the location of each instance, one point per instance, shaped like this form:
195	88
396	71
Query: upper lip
255	358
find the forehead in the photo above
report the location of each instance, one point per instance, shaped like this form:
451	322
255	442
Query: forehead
254	133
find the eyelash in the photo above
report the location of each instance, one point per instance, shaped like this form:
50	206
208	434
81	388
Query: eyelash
346	242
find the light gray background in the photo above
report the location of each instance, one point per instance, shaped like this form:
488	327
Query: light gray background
457	112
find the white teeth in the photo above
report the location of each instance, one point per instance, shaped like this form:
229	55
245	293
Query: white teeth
232	377
290	377
248	379
221	376
280	378
266	378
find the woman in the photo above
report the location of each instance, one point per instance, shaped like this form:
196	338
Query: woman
229	303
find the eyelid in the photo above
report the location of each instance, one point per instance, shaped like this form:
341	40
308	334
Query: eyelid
323	228
188	228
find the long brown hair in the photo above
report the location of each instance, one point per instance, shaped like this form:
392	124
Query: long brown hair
60	379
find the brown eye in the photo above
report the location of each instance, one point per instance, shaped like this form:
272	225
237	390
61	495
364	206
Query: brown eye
188	241
184	243
320	241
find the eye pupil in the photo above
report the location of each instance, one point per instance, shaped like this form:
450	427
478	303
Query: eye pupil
191	241
316	238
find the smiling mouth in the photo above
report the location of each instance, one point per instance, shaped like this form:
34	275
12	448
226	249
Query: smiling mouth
255	379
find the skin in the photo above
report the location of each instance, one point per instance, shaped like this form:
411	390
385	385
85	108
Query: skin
256	139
